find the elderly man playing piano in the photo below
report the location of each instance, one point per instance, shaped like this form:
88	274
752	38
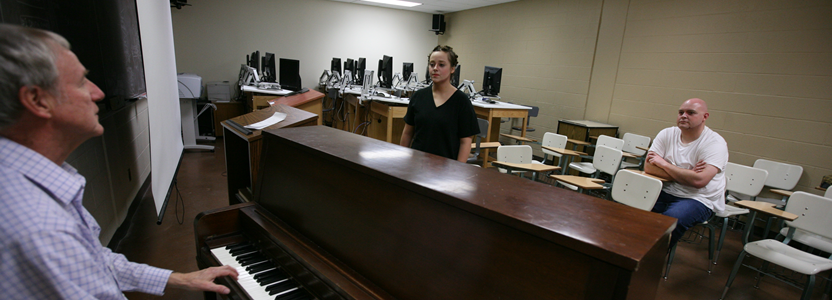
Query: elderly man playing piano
692	157
50	241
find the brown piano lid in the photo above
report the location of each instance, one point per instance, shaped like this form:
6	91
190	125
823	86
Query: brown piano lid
612	232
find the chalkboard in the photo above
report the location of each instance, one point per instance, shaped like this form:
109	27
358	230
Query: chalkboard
103	34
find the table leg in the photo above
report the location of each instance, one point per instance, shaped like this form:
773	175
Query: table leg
750	224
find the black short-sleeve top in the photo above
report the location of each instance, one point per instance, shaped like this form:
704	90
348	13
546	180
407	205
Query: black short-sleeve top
437	130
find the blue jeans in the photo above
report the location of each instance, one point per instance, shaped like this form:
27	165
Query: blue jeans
688	212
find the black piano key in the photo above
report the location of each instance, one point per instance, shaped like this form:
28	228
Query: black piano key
281	287
247	256
237	246
267	274
242	250
262	266
252	260
298	294
267	280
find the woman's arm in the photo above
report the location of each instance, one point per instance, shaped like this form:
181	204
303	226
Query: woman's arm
407	136
464	149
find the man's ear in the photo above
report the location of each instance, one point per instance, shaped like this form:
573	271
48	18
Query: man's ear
37	101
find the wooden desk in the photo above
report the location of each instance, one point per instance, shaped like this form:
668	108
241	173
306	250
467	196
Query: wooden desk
386	121
519	139
242	152
403	218
493	115
524	167
486	145
311	101
648	175
583	183
356	113
763	207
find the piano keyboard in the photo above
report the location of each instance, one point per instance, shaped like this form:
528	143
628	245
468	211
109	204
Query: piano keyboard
258	275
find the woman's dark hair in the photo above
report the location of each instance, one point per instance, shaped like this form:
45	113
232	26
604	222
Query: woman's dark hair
452	57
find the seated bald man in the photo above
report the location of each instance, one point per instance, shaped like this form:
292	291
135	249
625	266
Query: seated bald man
693	157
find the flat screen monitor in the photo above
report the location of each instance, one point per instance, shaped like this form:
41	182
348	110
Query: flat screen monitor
349	65
407	68
360	66
254	60
290	74
455	76
336	65
269	71
385	71
427	74
491	81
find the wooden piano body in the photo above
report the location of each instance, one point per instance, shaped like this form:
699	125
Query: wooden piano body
373	220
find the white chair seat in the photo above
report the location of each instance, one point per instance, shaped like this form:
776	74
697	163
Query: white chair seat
583	167
809	239
731	211
790	258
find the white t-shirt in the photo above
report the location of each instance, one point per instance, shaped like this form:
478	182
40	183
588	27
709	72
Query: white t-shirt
709	147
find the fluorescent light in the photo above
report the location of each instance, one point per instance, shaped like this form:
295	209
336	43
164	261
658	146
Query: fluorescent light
396	2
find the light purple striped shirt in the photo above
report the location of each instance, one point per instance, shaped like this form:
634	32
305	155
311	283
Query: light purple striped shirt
50	241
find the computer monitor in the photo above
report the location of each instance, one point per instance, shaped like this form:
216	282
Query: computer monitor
269	73
491	81
455	76
254	61
336	65
290	74
407	68
427	74
360	66
385	71
349	65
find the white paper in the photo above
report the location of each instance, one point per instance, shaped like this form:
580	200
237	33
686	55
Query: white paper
274	119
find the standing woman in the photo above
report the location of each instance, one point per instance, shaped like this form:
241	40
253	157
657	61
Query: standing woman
440	119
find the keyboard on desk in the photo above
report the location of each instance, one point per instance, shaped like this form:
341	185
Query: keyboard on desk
258	275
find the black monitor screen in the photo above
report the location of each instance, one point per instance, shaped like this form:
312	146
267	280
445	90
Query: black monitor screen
491	81
360	66
269	70
349	65
455	76
336	65
290	74
254	61
407	68
385	71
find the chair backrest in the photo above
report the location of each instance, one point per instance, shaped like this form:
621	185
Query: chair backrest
518	154
606	159
534	111
744	179
554	140
812	212
828	193
605	140
636	190
780	175
632	140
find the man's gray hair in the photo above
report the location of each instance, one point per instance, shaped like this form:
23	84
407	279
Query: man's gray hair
27	58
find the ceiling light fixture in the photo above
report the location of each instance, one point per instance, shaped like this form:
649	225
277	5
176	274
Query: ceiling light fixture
395	2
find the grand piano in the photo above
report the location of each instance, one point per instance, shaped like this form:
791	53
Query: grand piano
342	216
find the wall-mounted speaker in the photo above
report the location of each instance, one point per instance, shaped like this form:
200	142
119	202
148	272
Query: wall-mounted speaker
438	24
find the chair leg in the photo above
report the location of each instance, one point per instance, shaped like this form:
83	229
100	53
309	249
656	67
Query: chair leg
670	260
733	275
721	240
828	288
807	290
763	268
711	260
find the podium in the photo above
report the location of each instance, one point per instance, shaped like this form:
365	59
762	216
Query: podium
242	152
